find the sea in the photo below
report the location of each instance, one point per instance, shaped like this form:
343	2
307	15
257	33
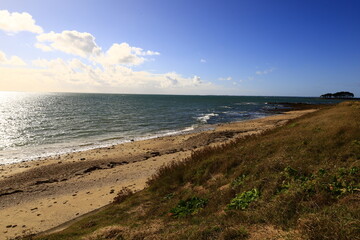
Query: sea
37	125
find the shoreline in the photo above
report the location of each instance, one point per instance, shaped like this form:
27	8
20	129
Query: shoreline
52	150
41	194
97	145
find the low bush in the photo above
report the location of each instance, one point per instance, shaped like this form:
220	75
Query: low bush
242	201
188	207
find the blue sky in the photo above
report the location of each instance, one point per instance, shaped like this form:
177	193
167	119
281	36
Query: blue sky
284	48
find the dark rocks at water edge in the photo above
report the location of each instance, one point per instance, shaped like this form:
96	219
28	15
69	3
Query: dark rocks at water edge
287	106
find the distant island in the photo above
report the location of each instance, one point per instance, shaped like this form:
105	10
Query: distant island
338	95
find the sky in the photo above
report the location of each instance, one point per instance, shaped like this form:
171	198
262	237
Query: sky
227	47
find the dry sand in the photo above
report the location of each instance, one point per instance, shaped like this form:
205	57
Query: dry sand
38	195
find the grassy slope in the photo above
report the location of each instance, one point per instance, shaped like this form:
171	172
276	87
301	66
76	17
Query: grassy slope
306	173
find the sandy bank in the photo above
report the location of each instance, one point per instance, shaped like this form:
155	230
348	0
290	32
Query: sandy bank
38	195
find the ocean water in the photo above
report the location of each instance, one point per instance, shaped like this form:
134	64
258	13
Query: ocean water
34	125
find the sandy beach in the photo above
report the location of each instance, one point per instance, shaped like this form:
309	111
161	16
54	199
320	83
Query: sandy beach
39	195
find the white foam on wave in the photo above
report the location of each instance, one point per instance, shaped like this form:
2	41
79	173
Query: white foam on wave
205	117
166	133
226	107
247	103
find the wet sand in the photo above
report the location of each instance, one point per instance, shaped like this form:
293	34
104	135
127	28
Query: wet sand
38	195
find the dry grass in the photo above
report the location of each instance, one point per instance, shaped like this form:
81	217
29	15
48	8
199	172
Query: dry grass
307	174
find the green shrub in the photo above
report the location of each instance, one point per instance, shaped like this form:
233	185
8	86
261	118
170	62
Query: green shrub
238	181
338	183
169	196
187	207
242	201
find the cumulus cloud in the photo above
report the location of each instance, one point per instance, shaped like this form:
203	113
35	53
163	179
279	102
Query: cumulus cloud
123	53
72	42
92	69
12	61
202	60
44	63
83	44
115	76
267	71
76	76
16	22
170	80
225	78
196	80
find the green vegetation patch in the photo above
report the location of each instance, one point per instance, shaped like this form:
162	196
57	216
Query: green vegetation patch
191	206
337	182
293	125
238	181
242	201
344	181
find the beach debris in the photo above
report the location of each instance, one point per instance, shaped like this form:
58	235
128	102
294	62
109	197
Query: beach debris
45	181
10	191
155	154
93	168
172	151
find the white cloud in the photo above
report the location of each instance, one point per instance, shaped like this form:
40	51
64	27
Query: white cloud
12	61
54	63
225	79
267	71
72	42
92	70
123	53
196	80
176	81
149	53
83	44
170	80
202	60
76	75
16	22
